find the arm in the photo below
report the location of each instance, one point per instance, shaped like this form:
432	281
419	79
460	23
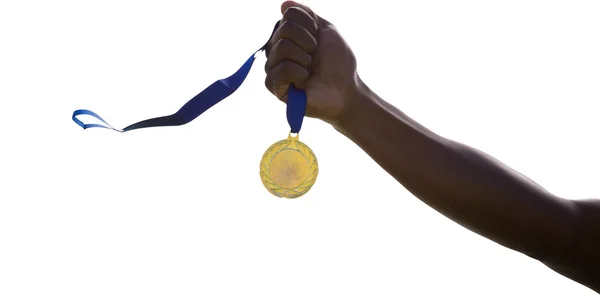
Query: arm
475	190
464	184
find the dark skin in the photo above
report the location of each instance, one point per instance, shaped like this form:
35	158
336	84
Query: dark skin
466	185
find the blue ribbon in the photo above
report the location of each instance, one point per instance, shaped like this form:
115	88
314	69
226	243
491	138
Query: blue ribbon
213	94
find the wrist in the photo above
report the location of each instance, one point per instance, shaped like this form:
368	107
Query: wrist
359	101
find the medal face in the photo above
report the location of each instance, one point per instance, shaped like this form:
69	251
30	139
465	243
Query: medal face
289	168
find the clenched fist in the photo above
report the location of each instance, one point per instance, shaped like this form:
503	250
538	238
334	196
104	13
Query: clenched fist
308	52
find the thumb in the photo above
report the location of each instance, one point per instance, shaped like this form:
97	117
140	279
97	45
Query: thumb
289	3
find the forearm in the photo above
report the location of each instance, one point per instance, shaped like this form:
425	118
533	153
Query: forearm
460	182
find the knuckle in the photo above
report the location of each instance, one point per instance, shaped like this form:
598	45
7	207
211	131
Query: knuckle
269	48
289	30
299	16
283	74
285	46
293	12
311	44
276	45
291	71
286	25
286	72
285	49
284	68
277	54
299	35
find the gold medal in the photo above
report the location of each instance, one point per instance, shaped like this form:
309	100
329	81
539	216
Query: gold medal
289	168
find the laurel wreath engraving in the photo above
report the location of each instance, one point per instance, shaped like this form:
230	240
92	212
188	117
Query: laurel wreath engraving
265	173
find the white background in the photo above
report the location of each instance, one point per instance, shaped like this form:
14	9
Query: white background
181	210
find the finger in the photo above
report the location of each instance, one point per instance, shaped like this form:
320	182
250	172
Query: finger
301	17
282	75
285	49
287	4
297	33
320	21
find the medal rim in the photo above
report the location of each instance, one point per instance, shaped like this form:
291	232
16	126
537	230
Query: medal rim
269	155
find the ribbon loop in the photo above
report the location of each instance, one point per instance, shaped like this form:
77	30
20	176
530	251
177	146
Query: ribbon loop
90	113
296	108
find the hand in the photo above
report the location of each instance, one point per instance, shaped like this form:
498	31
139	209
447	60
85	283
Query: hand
308	52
